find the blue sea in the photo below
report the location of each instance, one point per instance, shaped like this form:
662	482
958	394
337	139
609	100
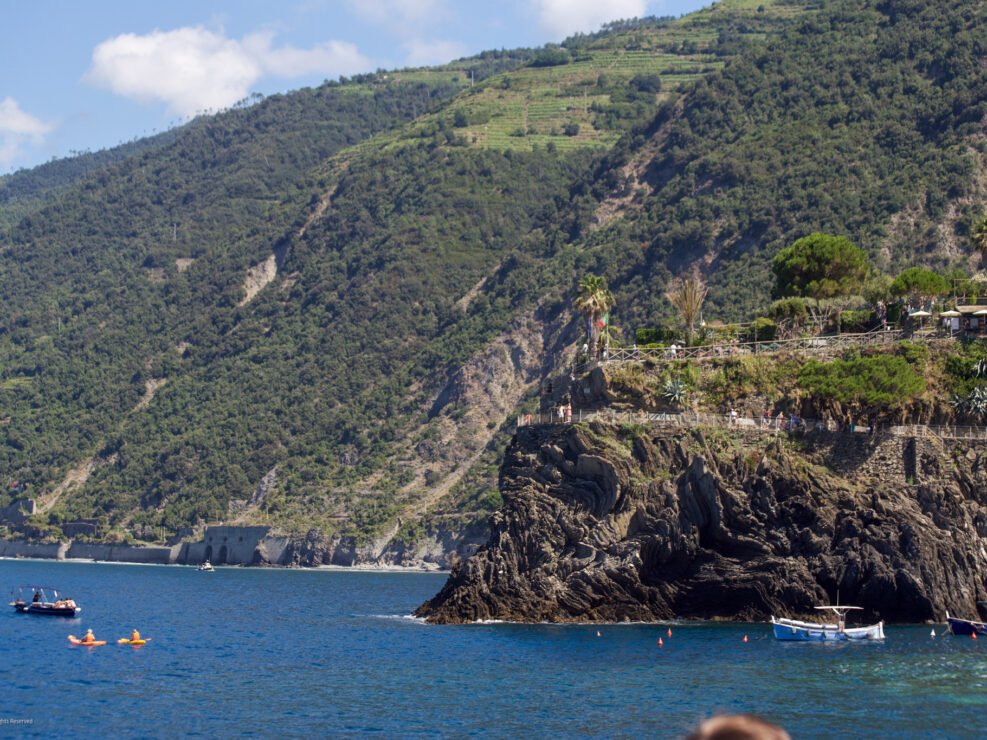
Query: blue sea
294	653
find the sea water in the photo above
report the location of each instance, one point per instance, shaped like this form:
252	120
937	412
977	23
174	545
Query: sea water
269	652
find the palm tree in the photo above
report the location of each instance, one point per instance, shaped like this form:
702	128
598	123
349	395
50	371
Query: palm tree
594	301
979	235
609	334
687	295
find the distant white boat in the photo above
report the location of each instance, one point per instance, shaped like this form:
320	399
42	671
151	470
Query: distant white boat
794	629
207	566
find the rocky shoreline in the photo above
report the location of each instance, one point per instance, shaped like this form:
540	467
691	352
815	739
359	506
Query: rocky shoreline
608	523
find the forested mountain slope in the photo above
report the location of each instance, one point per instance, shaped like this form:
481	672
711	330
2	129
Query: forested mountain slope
867	119
321	311
28	190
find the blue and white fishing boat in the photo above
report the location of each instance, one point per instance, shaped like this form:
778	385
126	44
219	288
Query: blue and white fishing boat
794	629
964	627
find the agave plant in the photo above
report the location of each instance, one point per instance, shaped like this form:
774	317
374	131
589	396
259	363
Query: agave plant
676	392
976	402
958	403
980	368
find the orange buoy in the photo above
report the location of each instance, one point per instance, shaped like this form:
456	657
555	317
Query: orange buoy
745	638
973	635
669	631
660	643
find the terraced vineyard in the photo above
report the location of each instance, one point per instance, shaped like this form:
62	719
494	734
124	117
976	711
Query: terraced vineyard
583	101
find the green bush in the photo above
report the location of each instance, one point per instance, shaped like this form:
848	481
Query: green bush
551	56
760	330
661	335
650	83
879	383
856	322
789	309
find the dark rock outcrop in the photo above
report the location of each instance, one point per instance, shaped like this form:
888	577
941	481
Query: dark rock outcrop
602	523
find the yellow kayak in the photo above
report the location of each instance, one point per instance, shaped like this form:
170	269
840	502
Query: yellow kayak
93	643
128	641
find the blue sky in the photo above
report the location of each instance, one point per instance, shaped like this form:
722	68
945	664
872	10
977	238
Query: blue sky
77	76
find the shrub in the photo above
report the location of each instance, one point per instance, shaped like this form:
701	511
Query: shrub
551	56
856	322
760	330
914	353
792	311
659	335
879	383
650	83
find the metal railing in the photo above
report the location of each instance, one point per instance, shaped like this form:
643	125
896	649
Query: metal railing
733	349
941	433
765	423
678	421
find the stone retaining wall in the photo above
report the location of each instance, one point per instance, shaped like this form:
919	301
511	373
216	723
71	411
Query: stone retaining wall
220	545
19	549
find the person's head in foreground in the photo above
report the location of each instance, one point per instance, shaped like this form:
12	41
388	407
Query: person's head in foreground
738	727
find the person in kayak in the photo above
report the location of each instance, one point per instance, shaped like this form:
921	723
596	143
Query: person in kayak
135	636
89	637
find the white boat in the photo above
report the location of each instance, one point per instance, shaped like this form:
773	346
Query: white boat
794	629
206	566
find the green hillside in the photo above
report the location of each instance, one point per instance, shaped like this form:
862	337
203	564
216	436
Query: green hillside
321	311
865	120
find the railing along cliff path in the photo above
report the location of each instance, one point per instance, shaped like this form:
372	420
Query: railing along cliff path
769	425
807	345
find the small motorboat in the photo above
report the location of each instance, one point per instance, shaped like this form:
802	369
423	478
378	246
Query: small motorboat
44	600
796	630
206	567
965	627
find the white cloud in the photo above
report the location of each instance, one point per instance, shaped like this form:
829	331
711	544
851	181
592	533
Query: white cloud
332	58
410	21
15	121
401	15
422	53
194	69
561	18
17	130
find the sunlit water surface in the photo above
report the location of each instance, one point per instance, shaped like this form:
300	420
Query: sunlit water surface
291	652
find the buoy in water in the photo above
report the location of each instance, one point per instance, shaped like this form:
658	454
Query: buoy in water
669	631
660	643
933	633
598	633
745	638
973	635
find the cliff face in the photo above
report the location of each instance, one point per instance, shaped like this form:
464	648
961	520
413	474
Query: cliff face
611	524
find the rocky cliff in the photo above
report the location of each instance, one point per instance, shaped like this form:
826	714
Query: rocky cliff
636	523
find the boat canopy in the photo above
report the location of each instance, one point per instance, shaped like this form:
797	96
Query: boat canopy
48	593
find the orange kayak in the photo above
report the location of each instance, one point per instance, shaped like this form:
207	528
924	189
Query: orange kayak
128	641
76	641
